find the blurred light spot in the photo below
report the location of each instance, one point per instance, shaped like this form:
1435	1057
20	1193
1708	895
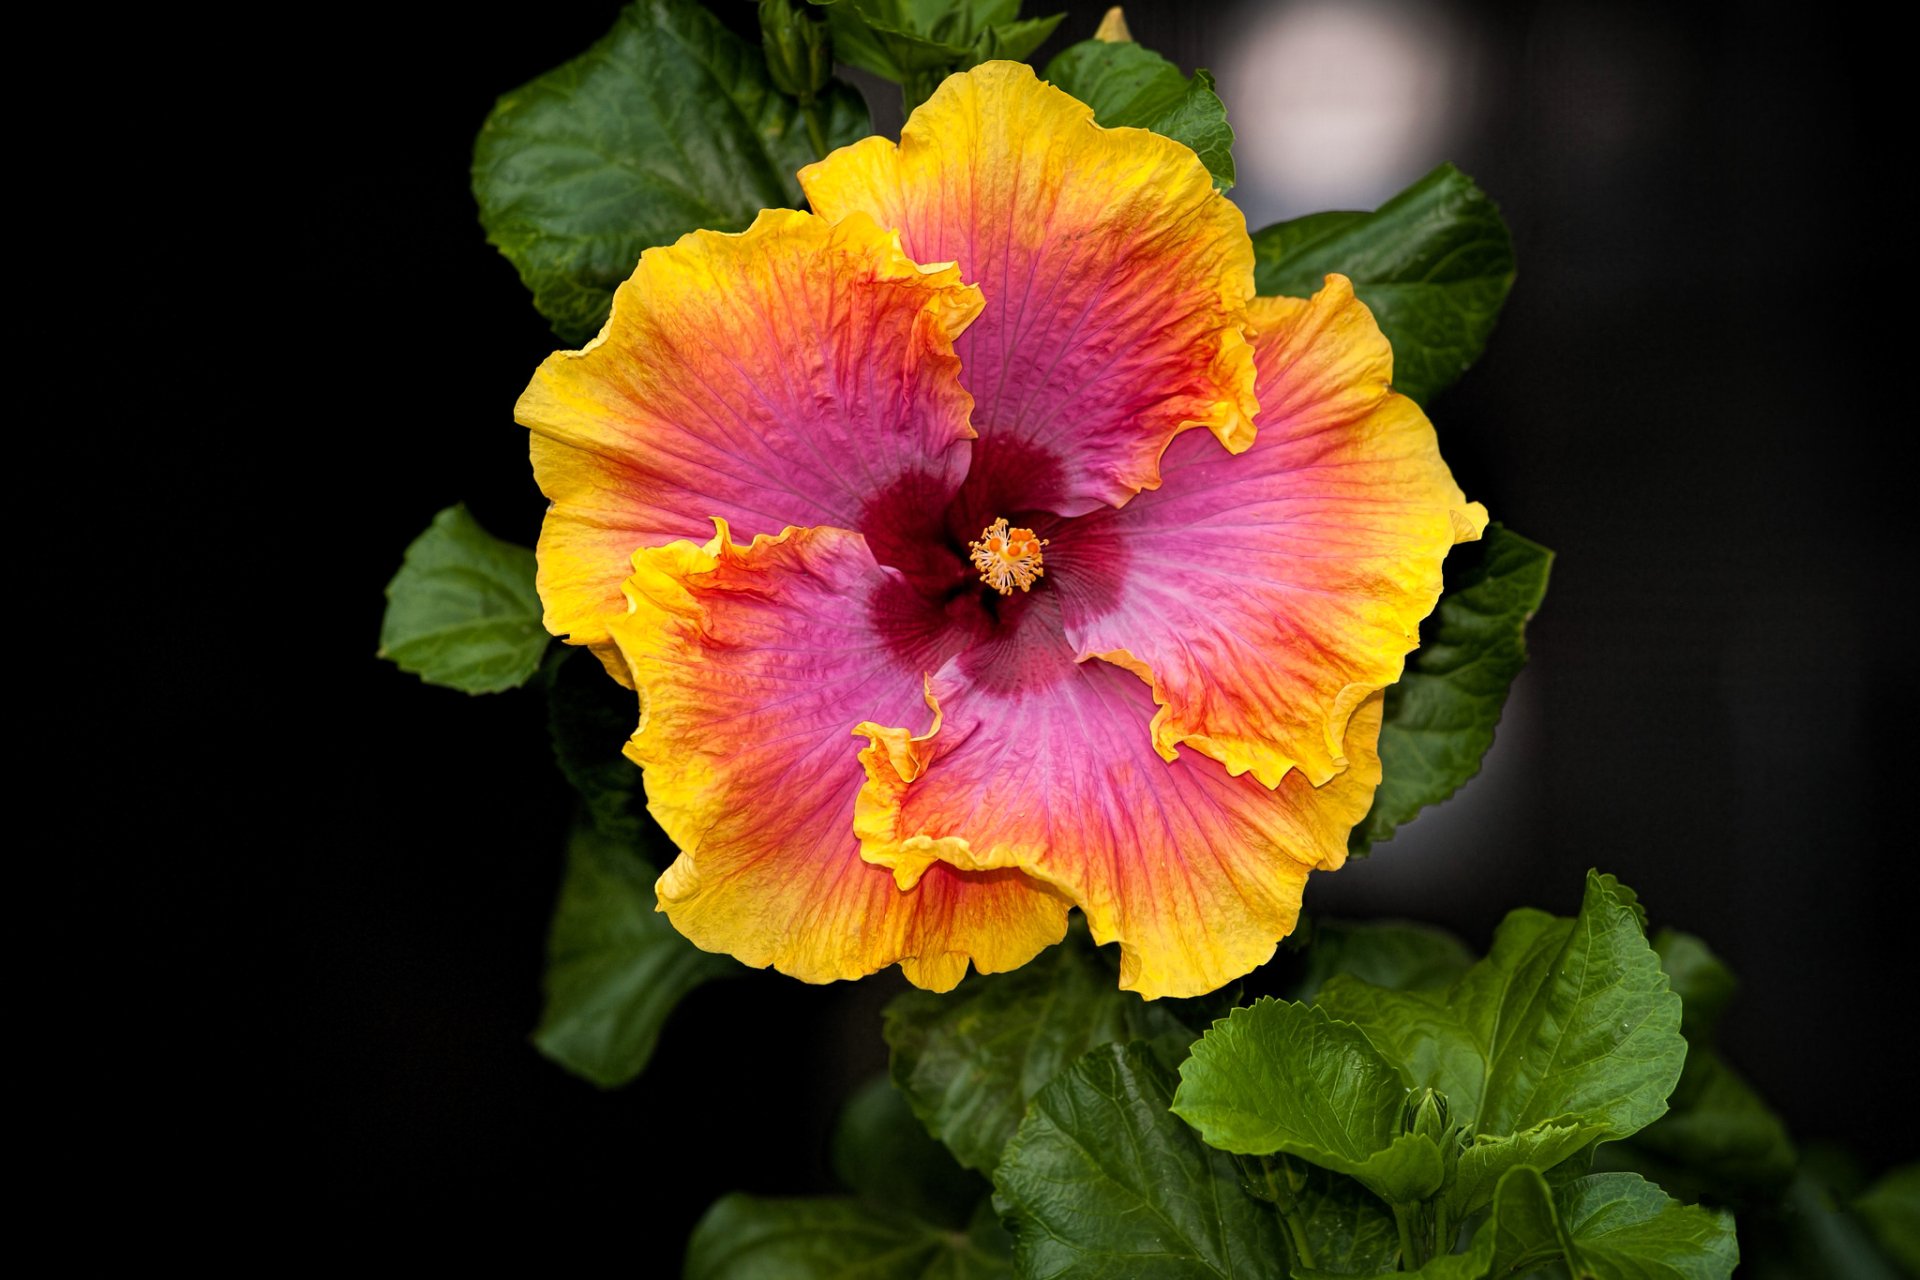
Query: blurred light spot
1337	104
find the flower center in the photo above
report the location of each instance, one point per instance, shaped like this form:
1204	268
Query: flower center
1007	558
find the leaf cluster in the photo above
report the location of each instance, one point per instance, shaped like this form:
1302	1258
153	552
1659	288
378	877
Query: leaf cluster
1129	86
669	124
918	43
1437	1116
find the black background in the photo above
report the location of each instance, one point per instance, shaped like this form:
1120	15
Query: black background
1690	398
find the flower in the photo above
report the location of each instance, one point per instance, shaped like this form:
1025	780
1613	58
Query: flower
979	547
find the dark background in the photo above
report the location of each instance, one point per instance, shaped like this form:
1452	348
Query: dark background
1689	398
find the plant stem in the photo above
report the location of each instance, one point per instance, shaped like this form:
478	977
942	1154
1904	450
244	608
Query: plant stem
1298	1231
1401	1219
1283	1202
816	128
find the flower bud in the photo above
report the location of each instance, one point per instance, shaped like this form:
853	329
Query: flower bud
1426	1113
799	52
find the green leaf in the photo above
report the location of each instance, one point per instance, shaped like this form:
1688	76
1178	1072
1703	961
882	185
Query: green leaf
1625	1228
668	124
1703	983
883	1154
748	1238
1891	1207
1339	1228
1103	1182
918	43
615	967
863	38
1524	1229
1717	1132
970	1060
1129	86
1433	264
1440	717
1395	954
1487	1159
462	612
1565	1021
1278	1076
1011	41
918	1214
590	719
1614	1226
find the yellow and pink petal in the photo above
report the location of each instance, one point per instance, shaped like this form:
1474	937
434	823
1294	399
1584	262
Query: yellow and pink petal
754	664
799	373
1267	595
1035	762
1116	281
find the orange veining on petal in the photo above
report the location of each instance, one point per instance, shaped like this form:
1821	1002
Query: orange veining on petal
1267	596
748	769
1116	278
1196	873
776	377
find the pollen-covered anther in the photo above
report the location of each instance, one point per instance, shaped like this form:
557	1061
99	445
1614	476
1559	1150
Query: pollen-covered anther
1007	558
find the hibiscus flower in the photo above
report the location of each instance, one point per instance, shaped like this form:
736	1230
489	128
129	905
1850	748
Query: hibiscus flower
980	547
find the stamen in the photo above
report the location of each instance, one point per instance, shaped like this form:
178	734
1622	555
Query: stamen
1007	558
